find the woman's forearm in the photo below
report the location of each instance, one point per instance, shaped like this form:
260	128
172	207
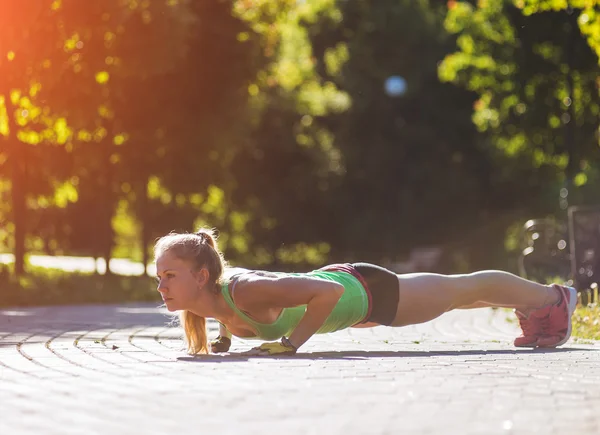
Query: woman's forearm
223	331
317	311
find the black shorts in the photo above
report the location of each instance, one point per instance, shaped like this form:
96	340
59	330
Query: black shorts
382	287
385	292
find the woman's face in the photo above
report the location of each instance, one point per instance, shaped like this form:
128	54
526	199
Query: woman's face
179	285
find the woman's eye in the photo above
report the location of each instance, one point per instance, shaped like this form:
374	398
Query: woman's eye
166	277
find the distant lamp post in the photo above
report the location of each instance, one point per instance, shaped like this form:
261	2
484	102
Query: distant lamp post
395	86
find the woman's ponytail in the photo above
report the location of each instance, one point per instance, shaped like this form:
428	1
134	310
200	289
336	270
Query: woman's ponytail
194	328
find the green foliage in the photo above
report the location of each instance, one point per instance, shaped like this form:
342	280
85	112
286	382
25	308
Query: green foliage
588	21
532	79
586	322
390	191
534	66
289	154
44	286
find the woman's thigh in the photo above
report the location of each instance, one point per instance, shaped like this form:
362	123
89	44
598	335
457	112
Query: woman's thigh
425	296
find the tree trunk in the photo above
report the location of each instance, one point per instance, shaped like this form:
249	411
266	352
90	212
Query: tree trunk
143	198
18	163
570	121
108	200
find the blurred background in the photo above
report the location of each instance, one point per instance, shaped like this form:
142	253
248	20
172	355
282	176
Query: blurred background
446	136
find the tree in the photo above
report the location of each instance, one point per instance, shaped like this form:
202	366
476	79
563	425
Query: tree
333	155
400	151
536	77
288	158
116	49
200	116
31	54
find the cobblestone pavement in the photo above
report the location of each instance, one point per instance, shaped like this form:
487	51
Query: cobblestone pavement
121	369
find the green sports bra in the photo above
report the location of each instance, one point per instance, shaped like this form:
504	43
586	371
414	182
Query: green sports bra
351	309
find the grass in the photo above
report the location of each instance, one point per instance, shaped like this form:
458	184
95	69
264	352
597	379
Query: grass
44	286
586	319
586	322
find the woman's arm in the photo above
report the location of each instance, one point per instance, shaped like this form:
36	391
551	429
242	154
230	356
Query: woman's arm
223	331
320	297
318	309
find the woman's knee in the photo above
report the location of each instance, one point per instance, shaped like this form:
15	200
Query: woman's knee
467	289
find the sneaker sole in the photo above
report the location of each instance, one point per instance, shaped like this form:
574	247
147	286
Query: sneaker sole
530	345
572	305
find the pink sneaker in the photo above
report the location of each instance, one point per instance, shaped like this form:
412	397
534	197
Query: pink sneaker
555	320
531	330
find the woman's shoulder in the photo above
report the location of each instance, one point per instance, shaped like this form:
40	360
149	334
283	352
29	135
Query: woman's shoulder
236	273
246	285
255	277
231	272
240	279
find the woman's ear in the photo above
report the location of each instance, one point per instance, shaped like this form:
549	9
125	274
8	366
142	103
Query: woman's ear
202	276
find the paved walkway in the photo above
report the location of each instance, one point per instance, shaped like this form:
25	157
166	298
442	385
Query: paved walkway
121	370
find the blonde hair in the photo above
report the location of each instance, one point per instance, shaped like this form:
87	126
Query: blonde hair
201	250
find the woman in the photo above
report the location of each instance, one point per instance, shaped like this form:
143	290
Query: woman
291	307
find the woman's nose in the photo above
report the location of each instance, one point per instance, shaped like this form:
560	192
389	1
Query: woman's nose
161	286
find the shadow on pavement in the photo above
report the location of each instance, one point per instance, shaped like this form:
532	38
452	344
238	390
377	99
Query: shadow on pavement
361	355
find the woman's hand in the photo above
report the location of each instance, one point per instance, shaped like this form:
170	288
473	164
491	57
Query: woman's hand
275	348
220	344
223	342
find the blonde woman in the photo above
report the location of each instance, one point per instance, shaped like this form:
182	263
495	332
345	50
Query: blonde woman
286	309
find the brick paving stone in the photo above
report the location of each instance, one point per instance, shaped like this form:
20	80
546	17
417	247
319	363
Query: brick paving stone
122	370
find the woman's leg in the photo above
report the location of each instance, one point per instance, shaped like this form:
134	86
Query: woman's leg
425	296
